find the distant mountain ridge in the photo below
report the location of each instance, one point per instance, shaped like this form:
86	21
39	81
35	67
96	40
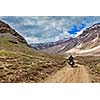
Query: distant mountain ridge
40	46
88	39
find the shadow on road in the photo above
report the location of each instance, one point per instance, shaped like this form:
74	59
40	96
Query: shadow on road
75	66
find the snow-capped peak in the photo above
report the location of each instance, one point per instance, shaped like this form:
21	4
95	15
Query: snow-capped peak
80	32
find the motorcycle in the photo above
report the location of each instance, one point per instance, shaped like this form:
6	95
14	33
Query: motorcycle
72	63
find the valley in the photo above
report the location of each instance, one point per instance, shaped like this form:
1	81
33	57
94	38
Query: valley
48	63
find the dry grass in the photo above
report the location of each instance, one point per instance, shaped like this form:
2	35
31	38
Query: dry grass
93	65
19	63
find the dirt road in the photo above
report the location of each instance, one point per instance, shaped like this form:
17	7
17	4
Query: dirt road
70	75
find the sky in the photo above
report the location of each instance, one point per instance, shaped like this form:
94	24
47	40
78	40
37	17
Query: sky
40	29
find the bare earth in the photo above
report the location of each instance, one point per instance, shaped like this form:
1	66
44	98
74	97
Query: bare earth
70	75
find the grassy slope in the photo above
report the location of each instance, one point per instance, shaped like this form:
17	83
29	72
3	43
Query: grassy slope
93	64
19	63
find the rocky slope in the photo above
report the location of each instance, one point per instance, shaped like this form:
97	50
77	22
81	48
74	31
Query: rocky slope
7	31
88	41
90	37
61	47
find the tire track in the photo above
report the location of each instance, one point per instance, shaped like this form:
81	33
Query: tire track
70	75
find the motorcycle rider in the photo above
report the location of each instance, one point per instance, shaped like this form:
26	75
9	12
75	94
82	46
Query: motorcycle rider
71	60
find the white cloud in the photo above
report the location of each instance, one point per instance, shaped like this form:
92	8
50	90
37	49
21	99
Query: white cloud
45	29
57	38
65	32
31	40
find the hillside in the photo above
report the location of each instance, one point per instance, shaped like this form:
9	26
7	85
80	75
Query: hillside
88	41
21	63
62	47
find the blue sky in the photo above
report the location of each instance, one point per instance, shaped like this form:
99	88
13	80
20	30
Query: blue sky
36	29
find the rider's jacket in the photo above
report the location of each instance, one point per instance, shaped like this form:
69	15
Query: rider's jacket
71	58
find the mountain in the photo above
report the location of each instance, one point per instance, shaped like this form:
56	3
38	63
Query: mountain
40	46
87	41
21	63
7	31
90	37
61	46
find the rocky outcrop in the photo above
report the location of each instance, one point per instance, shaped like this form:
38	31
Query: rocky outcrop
5	30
